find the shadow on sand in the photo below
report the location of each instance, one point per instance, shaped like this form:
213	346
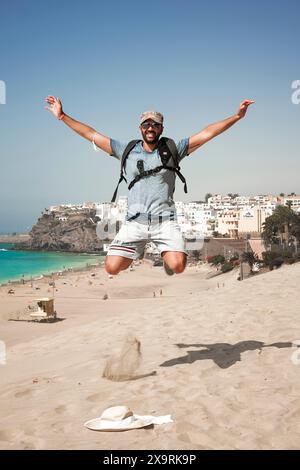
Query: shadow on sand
224	355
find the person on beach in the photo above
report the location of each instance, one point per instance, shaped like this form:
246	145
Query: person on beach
151	210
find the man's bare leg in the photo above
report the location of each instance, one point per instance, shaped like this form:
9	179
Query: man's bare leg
115	264
176	260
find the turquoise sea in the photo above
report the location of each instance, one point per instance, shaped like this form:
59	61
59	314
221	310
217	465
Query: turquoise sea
14	264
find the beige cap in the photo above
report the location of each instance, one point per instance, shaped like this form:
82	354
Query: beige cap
154	115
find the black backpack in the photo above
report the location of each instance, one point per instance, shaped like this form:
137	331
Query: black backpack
169	158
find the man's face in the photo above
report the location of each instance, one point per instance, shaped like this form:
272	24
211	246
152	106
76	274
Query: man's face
151	131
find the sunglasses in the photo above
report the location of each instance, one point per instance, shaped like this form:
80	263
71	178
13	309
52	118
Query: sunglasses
146	125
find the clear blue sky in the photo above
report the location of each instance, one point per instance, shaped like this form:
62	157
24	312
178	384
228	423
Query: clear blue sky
192	60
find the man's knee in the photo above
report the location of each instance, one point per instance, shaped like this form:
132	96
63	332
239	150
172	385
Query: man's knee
177	263
179	267
112	268
113	264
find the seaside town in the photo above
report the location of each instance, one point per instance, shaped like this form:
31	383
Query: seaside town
232	217
228	215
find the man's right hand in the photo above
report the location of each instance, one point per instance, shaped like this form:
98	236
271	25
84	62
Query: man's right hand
100	140
55	106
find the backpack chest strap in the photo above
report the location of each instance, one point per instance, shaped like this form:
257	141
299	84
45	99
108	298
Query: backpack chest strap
145	174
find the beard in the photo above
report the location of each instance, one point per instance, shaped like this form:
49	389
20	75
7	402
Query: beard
153	139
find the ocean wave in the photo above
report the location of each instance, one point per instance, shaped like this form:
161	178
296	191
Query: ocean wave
3	249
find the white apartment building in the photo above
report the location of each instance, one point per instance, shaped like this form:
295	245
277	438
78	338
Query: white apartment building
89	205
103	210
293	201
221	202
195	217
268	208
73	207
242	201
109	210
122	208
59	207
179	206
251	220
227	222
238	222
122	204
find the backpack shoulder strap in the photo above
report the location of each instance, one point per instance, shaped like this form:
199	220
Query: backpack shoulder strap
171	146
125	154
130	146
170	158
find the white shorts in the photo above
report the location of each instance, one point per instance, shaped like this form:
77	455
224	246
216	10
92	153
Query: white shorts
131	239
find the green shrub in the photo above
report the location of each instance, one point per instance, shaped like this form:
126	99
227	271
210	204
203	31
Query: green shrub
270	256
250	258
275	263
275	258
218	259
289	260
297	256
287	254
226	267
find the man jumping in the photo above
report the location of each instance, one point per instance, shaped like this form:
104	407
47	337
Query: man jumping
151	208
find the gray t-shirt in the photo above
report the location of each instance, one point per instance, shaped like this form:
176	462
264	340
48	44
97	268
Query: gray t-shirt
153	194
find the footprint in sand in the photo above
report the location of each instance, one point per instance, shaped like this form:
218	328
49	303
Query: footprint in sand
21	439
94	397
24	393
60	409
70	409
36	381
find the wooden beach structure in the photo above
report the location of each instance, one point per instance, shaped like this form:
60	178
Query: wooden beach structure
40	310
44	309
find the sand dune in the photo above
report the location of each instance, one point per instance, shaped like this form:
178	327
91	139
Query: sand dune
217	354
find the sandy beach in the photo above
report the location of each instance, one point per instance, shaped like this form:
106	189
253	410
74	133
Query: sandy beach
217	354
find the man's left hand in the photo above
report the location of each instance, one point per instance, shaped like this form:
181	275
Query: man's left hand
243	107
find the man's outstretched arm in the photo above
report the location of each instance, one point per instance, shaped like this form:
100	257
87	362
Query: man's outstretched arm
211	131
55	107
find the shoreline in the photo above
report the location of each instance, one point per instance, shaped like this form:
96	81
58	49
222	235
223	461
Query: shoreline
47	275
61	273
94	253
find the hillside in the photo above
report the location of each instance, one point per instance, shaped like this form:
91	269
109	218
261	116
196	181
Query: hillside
67	231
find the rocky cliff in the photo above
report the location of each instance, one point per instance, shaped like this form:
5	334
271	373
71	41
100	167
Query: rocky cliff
67	231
